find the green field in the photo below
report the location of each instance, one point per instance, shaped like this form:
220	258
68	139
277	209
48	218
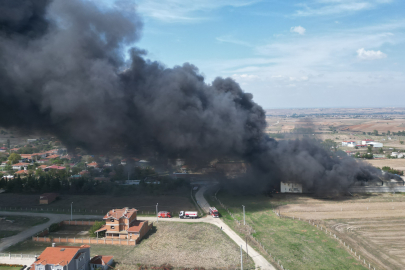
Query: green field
9	268
296	244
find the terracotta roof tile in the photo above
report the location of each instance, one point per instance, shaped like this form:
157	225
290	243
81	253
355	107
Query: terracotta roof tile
136	226
57	255
118	213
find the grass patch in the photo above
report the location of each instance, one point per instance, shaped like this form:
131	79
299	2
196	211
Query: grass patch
296	244
9	267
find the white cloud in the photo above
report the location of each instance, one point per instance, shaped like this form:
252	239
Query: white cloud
181	11
298	29
230	39
244	76
329	7
370	55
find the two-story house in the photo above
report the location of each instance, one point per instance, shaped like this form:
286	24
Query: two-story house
123	224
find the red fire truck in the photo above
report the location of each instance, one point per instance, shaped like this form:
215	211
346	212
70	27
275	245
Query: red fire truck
164	214
214	212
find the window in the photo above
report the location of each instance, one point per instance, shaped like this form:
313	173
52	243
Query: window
112	227
112	220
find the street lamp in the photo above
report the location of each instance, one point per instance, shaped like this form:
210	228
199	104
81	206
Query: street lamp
157	215
71	211
244	223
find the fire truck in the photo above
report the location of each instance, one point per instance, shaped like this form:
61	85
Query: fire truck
214	212
188	214
164	214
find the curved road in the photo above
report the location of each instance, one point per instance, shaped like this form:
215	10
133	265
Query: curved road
258	259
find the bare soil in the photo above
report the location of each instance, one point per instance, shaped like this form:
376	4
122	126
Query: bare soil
382	240
398	164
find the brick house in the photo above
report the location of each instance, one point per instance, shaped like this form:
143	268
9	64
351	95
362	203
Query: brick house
123	224
70	258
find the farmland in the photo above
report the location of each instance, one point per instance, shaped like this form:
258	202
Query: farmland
174	243
98	203
372	224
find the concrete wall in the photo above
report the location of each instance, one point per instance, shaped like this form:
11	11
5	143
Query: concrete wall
99	241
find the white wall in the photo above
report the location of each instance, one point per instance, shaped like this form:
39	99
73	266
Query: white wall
286	187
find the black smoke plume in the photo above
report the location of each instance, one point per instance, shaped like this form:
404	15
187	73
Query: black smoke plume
64	72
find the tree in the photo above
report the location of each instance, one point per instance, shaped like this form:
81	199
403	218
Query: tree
401	142
329	144
388	132
8	143
14	158
375	132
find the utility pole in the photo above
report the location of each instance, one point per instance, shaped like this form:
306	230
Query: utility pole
157	220
241	258
247	252
244	223
71	211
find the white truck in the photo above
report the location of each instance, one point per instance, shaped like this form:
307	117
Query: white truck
188	214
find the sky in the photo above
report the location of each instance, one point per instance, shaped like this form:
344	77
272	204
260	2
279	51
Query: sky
288	54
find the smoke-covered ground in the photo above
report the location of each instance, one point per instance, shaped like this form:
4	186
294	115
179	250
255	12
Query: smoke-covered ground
65	72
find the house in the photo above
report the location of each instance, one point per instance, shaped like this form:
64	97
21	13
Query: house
47	198
101	262
375	144
93	164
18	166
366	141
63	258
70	258
290	187
349	143
122	223
20	172
52	156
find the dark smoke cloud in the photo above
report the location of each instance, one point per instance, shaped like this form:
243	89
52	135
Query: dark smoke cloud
64	73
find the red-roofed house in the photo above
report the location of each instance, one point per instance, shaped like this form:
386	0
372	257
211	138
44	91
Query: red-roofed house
122	223
52	156
64	258
70	258
18	166
93	164
101	262
21	172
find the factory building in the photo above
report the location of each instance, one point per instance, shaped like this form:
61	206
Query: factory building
349	143
375	144
290	187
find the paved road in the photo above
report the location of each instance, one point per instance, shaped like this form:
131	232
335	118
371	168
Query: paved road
53	218
259	260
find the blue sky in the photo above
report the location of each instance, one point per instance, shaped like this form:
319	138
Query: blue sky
310	53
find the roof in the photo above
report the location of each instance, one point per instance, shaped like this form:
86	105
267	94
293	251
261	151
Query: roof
56	167
52	156
22	172
61	255
136	226
48	196
101	260
368	140
102	229
42	166
120	213
93	164
21	164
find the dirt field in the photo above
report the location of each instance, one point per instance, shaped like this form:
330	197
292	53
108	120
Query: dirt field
398	164
176	243
77	231
381	239
100	203
344	210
